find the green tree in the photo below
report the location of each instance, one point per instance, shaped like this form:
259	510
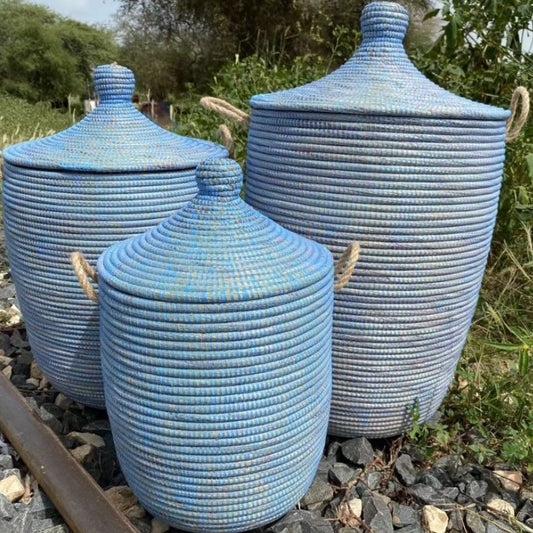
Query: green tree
46	57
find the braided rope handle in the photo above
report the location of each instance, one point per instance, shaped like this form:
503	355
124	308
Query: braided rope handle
346	265
514	124
227	139
84	271
226	110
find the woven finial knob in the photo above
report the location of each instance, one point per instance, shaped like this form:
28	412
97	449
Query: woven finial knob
114	83
384	20
219	177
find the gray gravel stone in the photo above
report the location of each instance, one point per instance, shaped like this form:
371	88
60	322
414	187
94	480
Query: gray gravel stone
19	380
510	497
7	511
449	463
373	480
97	426
477	489
449	493
341	474
7	292
22	363
320	493
525	511
41	506
359	451
474	523
333	507
46	524
442	475
72	422
17	340
497	527
456	520
427	495
298	521
413	528
57	529
10	472
141	525
429	479
53	409
21	523
334	449
376	513
51	421
405	470
6	461
403	515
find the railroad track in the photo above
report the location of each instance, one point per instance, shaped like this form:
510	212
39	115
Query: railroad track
76	495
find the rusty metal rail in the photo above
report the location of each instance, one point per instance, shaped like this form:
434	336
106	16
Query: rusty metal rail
77	496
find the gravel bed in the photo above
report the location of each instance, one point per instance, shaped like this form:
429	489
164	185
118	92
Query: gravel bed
361	486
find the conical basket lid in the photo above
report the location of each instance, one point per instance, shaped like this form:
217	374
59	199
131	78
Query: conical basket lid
115	137
216	249
379	79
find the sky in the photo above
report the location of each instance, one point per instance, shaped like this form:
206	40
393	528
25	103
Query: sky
88	11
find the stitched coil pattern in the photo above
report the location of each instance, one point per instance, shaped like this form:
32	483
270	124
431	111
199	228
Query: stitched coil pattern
85	189
413	178
216	355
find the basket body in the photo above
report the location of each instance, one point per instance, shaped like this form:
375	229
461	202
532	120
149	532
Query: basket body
85	189
214	383
417	186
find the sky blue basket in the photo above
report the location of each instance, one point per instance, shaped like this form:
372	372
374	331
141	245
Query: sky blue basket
113	175
216	355
377	153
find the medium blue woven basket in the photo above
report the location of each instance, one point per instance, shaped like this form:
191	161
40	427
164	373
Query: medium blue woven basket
216	355
113	175
377	153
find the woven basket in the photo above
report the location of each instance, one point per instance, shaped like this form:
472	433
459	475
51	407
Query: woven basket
113	175
377	153
216	354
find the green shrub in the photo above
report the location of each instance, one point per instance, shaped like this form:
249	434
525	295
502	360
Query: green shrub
21	121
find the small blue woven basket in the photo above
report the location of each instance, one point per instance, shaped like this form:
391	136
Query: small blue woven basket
377	153
216	355
113	175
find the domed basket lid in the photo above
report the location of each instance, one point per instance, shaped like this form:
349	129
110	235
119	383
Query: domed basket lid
115	137
379	79
215	249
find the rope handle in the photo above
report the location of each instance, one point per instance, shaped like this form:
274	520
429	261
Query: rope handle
84	271
346	265
514	123
226	110
227	139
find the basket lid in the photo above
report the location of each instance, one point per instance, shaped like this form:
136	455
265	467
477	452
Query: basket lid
215	249
115	137
379	79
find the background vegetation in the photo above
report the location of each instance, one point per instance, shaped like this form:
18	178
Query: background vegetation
183	49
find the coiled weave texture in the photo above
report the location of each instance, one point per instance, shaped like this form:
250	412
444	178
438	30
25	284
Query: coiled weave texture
216	353
101	181
378	154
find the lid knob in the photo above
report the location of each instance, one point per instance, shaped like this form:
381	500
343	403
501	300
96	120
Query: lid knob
114	83
219	177
384	20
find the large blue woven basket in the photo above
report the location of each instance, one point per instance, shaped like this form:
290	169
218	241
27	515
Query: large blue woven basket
216	354
113	175
377	153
